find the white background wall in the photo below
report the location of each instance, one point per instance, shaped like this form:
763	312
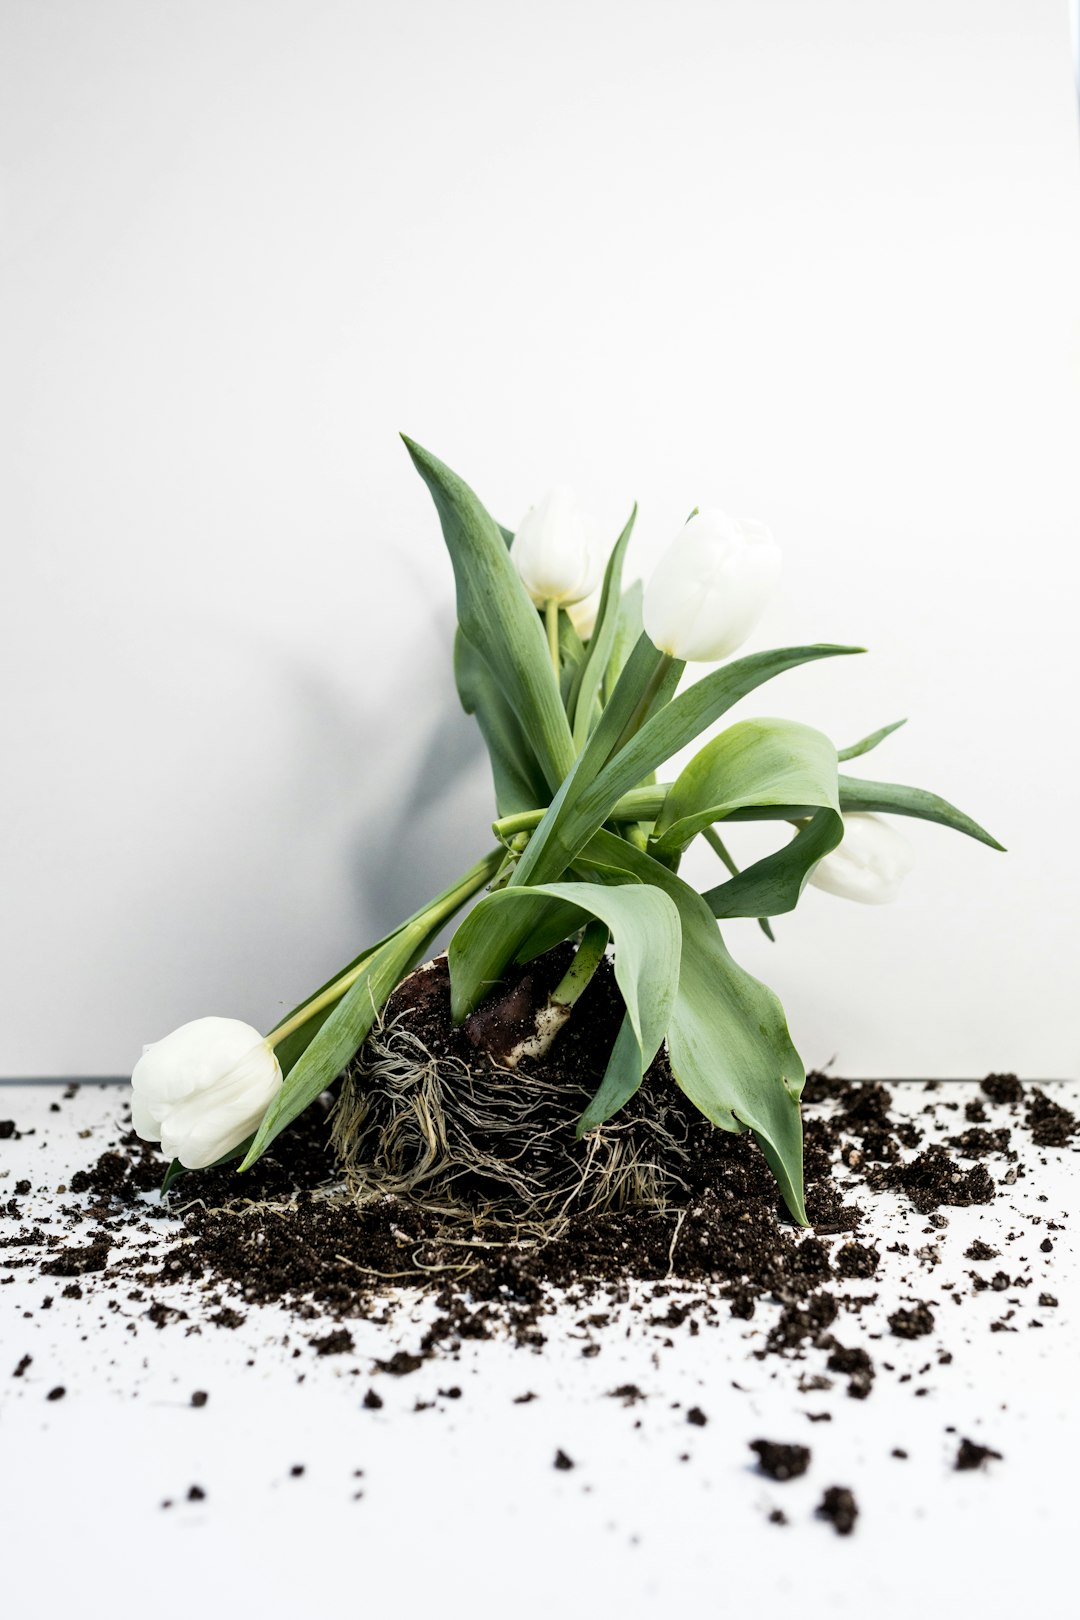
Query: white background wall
818	263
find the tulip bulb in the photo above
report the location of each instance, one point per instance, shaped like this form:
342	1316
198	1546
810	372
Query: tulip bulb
556	552
202	1090
869	865
710	587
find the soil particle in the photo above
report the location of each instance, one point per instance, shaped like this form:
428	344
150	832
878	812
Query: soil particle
76	1261
972	1455
977	1143
199	1397
57	1393
196	1493
400	1364
980	1251
21	1366
779	1461
857	1260
913	1323
372	1401
1003	1088
697	1417
1050	1124
858	1367
933	1178
562	1461
337	1343
838	1506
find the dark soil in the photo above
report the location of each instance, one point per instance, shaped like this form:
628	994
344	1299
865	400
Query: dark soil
972	1455
781	1461
839	1508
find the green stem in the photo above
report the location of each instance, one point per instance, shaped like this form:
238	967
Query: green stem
590	953
551	619
640	804
433	915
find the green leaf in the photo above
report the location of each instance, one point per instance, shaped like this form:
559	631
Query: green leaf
727	1037
757	770
571	658
645	668
497	616
629	628
602	640
866	743
898	800
644	924
519	780
773	885
587	798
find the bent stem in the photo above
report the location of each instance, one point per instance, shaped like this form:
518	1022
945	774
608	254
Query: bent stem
437	912
640	804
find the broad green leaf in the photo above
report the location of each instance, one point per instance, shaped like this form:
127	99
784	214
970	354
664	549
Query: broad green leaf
644	925
519	781
757	770
587	798
897	800
727	1037
774	884
497	616
760	770
602	640
864	745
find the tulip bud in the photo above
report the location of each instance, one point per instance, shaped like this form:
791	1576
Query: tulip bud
555	551
869	865
202	1090
710	587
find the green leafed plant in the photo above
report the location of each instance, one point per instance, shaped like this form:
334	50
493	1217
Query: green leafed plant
573	680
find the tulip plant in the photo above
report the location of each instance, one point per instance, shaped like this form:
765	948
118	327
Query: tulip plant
573	681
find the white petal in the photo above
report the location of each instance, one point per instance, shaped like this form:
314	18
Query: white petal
710	587
870	864
555	550
202	1089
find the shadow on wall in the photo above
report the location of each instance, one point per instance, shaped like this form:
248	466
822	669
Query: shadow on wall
439	821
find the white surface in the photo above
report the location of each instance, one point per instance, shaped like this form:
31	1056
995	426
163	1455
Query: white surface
819	264
462	1513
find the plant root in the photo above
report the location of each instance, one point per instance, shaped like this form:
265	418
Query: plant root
468	1138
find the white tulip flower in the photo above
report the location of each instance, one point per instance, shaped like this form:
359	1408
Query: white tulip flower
556	552
710	587
202	1090
869	865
